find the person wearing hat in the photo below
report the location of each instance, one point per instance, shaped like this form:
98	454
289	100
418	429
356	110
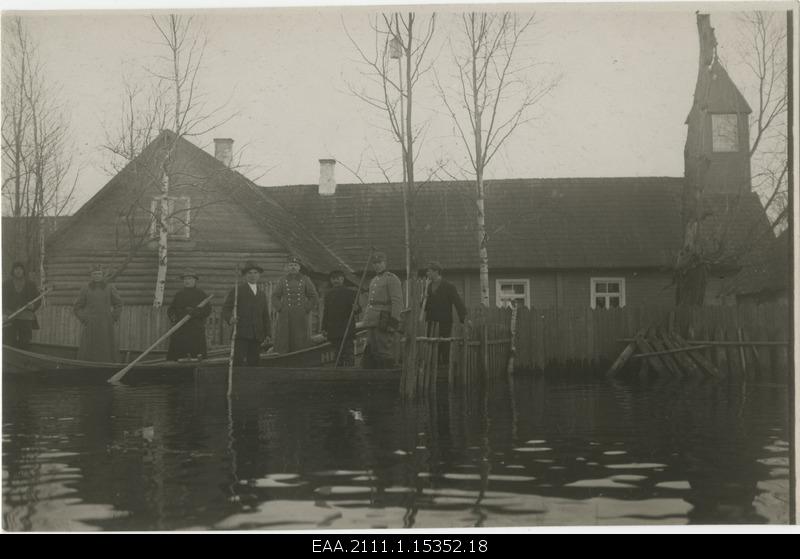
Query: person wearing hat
252	316
18	291
382	317
189	341
340	305
293	299
98	308
440	298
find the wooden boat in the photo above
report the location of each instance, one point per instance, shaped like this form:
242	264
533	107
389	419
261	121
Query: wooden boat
315	362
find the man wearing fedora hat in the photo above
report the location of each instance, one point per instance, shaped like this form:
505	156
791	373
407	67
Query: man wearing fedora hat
252	316
98	307
293	298
189	341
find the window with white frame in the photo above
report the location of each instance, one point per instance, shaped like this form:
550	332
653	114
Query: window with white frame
512	292
725	132
608	293
178	214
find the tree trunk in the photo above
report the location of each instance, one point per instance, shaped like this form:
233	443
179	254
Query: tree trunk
163	235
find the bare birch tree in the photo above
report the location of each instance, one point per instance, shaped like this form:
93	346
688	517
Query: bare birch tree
402	38
36	159
171	100
493	98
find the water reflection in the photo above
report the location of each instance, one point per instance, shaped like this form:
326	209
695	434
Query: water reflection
352	455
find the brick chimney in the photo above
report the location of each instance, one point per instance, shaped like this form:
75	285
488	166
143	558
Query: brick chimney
327	177
223	150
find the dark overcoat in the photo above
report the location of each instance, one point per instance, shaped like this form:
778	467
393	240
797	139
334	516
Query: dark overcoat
339	303
190	339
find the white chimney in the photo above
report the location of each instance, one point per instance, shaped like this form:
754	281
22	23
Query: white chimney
223	150
327	177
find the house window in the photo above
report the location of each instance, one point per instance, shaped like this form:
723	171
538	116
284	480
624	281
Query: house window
513	292
608	293
725	132
177	216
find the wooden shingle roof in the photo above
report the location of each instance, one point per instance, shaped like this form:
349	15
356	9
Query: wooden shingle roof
631	222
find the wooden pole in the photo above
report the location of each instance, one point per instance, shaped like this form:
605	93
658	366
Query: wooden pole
235	329
25	306
355	304
118	376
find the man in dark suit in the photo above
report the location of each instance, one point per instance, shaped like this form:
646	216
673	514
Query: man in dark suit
251	318
440	298
339	306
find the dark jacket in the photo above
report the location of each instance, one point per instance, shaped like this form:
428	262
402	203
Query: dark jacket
13	300
189	339
338	306
253	313
440	303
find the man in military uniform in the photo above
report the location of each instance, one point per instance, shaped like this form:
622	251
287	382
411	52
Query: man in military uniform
382	317
293	298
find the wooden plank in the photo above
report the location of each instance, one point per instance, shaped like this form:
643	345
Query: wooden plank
699	358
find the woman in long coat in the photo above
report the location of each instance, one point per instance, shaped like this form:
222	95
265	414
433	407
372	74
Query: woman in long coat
189	341
293	298
98	307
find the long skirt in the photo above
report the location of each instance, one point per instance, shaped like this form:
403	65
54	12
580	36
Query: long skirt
188	341
98	341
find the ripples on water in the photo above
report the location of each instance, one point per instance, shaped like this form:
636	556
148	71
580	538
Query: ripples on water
318	455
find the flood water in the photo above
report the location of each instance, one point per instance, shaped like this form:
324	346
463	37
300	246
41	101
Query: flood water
318	455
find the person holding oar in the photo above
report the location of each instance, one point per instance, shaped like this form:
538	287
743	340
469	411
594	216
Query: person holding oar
98	307
20	299
251	318
189	341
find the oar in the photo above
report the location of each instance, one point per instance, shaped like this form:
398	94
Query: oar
25	306
235	320
353	309
118	376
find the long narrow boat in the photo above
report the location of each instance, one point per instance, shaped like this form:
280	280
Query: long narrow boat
312	362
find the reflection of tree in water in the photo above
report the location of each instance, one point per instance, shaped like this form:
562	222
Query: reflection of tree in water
170	456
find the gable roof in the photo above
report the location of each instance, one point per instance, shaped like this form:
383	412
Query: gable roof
283	227
631	222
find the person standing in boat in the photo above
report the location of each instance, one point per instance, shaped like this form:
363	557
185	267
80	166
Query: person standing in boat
19	291
340	302
382	317
293	299
252	316
98	307
440	298
189	341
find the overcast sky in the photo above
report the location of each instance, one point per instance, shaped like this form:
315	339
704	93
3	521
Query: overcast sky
627	77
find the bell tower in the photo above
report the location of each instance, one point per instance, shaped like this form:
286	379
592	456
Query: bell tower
717	152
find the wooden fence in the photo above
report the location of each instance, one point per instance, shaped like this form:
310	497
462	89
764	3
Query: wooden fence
582	336
474	352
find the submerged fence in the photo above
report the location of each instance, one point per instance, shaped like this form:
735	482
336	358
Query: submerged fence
744	337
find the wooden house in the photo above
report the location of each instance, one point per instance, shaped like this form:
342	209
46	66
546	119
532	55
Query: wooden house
552	242
598	242
218	219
